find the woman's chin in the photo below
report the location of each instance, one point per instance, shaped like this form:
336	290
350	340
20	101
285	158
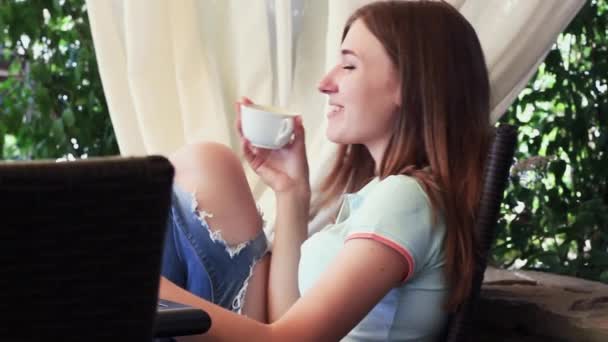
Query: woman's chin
335	137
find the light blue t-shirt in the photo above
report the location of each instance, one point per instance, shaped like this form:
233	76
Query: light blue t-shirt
394	211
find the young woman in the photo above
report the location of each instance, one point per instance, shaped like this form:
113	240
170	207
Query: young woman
409	107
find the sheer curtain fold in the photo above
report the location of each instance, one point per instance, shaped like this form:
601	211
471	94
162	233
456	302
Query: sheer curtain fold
516	36
172	70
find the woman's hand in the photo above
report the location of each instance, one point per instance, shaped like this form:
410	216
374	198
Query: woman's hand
285	170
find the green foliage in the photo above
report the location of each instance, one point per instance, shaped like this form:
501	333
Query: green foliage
555	215
52	103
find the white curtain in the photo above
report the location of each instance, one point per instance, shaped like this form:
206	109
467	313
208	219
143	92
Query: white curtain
173	69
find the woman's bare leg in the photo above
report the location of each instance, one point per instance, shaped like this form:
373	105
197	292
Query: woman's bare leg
215	175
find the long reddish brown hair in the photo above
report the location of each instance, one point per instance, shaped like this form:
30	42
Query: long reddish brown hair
442	131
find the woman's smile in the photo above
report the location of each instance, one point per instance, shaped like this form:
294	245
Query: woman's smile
334	110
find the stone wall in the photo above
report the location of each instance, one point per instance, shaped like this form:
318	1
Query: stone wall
535	306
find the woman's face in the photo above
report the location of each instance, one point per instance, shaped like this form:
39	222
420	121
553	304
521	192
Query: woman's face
364	92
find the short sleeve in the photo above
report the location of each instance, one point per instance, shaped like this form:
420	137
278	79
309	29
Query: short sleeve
397	213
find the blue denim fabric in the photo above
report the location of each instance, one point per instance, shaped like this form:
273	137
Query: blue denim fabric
196	260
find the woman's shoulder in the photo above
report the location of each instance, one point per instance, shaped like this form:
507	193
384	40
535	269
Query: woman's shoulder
398	188
400	180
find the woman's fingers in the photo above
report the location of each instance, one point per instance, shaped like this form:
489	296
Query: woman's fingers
247	153
242	101
237	122
299	127
250	155
298	133
239	128
256	157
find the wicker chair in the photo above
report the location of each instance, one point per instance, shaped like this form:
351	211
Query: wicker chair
500	158
81	246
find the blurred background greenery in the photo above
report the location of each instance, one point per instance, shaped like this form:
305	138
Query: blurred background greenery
555	214
51	98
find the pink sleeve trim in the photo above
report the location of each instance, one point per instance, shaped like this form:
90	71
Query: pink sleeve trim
399	249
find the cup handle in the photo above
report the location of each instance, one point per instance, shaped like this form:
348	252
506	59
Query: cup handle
285	132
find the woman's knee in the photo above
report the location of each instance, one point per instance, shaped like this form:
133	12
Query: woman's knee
204	157
215	175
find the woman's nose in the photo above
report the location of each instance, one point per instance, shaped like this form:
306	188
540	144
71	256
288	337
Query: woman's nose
328	85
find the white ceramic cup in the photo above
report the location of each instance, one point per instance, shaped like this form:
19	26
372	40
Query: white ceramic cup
266	126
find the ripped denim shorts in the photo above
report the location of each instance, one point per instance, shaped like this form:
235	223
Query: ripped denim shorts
198	260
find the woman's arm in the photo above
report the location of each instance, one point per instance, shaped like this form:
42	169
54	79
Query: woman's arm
360	276
225	325
292	213
286	172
